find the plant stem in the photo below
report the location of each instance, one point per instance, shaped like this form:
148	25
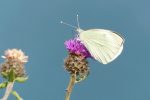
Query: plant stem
8	90
70	86
16	95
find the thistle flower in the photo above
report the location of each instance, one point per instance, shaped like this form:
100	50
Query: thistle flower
13	71
75	46
76	63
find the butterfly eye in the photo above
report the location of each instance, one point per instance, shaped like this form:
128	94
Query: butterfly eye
77	36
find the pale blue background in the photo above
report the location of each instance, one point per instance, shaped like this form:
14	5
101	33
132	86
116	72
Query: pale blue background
33	26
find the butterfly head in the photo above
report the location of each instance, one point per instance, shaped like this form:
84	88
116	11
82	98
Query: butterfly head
78	30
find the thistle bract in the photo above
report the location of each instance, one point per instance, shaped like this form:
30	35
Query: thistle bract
78	65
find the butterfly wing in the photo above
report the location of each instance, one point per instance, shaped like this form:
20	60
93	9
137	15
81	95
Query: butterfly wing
103	45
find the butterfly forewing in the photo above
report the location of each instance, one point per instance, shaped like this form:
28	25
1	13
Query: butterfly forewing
103	45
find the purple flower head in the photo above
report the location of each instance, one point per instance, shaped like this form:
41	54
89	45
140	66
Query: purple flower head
75	46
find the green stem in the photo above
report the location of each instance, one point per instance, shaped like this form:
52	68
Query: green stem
70	86
8	90
16	95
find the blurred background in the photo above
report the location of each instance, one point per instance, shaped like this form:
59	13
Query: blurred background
34	26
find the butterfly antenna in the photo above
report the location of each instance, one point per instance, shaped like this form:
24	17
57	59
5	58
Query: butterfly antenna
68	24
78	21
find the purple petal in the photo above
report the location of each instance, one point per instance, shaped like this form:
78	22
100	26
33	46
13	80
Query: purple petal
75	46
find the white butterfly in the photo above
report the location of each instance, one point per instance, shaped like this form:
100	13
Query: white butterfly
103	45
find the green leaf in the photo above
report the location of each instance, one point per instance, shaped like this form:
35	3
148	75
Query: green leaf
21	79
5	75
81	76
16	95
3	85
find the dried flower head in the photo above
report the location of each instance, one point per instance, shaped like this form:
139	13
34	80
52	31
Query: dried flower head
78	65
75	46
15	55
14	60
